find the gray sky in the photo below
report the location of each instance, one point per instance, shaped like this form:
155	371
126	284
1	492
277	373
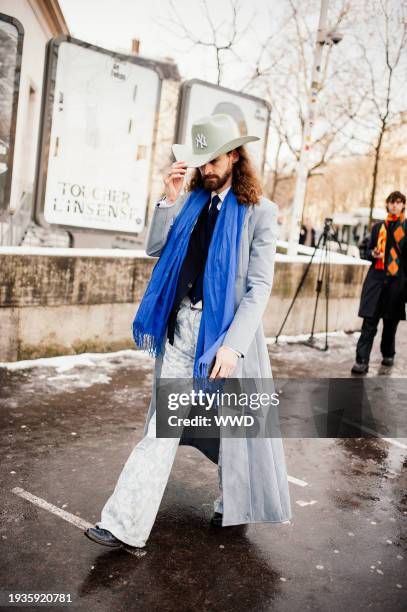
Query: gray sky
113	24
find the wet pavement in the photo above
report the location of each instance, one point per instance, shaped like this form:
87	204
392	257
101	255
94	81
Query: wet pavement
69	425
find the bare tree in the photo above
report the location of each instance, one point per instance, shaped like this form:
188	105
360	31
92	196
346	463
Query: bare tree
382	54
286	86
357	88
220	38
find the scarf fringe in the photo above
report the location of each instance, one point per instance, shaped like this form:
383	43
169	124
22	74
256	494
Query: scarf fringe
201	382
201	371
145	341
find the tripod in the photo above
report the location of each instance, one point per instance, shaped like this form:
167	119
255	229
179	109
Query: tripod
328	234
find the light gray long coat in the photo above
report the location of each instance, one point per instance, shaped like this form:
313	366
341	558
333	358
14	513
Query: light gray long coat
254	475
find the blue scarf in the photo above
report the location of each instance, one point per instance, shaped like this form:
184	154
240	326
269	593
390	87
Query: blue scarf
150	322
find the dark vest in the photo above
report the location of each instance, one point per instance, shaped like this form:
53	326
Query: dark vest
190	278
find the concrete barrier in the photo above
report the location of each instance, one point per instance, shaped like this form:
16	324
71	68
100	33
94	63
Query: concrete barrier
64	301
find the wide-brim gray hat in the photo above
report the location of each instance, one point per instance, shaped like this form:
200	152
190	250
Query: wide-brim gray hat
211	136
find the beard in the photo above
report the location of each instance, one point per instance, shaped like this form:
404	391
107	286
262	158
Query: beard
215	182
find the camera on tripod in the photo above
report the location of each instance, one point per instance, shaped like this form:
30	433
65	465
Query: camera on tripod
323	246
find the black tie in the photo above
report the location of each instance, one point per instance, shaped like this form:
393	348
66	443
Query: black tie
213	214
196	293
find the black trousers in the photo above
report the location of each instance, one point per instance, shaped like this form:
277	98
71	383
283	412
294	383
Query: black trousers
369	330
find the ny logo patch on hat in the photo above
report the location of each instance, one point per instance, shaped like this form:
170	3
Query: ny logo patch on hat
201	141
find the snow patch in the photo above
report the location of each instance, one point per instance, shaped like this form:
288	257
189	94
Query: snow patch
63	363
304	337
69	252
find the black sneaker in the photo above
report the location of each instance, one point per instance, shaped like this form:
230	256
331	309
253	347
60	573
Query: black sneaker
360	368
388	361
103	536
216	520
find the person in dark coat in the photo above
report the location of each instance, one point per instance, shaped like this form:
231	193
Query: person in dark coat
385	287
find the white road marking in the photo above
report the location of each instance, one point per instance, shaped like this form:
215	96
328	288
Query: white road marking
302	502
375	434
297	481
41	503
67	516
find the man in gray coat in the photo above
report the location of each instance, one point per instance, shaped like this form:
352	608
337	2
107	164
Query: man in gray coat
252	471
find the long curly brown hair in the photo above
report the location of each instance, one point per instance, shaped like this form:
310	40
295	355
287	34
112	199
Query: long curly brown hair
246	183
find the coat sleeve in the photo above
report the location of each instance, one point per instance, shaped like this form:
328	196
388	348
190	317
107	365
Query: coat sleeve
260	276
163	217
372	241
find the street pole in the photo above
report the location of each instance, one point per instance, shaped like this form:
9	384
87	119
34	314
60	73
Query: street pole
302	170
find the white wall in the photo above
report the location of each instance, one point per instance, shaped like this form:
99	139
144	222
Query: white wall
36	35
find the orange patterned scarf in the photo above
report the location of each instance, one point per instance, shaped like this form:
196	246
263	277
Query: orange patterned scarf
393	260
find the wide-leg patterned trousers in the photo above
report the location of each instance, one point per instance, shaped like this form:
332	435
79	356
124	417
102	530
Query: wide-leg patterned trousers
131	510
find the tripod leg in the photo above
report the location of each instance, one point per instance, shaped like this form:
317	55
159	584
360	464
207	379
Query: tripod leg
320	279
327	288
300	284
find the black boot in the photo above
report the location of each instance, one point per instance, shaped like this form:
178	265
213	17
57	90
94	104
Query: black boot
216	520
388	361
360	368
103	536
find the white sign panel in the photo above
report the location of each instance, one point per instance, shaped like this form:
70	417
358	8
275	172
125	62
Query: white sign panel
251	114
102	129
11	48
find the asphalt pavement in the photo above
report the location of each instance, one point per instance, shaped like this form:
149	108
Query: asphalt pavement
68	426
